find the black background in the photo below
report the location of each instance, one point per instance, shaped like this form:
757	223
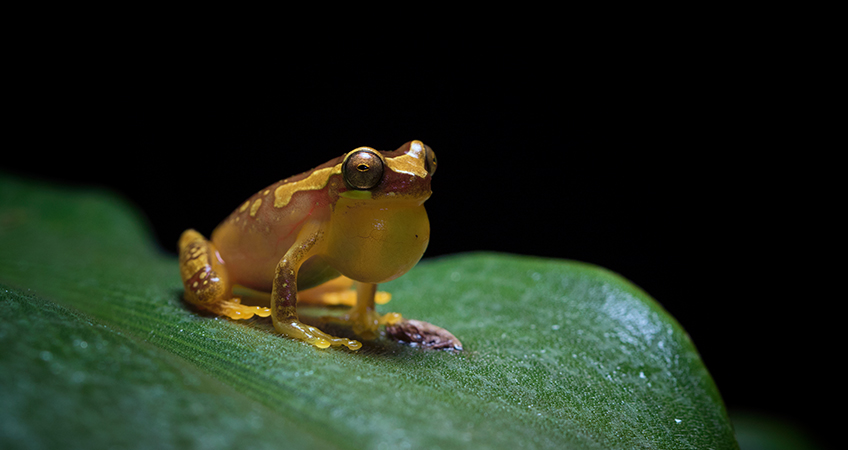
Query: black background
660	159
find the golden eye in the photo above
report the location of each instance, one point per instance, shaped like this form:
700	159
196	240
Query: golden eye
362	169
429	160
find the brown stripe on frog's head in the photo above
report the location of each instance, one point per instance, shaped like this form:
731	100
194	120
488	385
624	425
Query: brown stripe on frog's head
403	174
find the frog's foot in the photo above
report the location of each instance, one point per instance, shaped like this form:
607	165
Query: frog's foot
364	324
295	329
346	298
336	292
235	310
423	334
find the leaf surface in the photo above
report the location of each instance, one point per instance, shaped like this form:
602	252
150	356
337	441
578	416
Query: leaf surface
98	349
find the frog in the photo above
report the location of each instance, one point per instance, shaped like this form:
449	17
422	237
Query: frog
356	221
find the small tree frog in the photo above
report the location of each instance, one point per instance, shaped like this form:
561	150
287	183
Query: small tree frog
357	217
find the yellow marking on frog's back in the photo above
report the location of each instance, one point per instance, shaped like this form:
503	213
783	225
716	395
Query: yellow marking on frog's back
255	207
244	206
316	180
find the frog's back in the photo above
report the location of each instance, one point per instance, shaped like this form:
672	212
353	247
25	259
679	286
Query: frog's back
253	239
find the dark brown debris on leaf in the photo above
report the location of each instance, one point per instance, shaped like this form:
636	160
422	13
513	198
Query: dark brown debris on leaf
423	334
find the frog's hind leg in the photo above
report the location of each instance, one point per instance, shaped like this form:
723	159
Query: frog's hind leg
205	279
363	317
338	291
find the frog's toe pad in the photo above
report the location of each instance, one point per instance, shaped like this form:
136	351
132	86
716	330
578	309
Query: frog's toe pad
334	341
423	334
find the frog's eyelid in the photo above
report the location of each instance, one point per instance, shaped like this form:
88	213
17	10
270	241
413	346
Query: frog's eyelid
411	162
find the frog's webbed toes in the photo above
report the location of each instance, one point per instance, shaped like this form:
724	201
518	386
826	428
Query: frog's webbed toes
423	334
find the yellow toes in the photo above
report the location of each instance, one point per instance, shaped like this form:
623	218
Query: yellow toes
390	318
382	298
320	296
235	310
311	335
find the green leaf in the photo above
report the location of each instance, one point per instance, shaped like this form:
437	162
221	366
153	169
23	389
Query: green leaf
98	350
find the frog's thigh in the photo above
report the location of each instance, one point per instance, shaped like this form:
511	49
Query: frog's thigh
206	281
337	291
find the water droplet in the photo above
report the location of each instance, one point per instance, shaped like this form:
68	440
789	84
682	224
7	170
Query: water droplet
677	421
536	276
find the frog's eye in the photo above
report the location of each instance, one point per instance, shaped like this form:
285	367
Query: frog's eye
429	160
362	169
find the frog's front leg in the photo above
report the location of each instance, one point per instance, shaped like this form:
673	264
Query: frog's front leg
284	300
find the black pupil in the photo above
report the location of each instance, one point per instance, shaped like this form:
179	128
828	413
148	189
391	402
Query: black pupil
362	167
